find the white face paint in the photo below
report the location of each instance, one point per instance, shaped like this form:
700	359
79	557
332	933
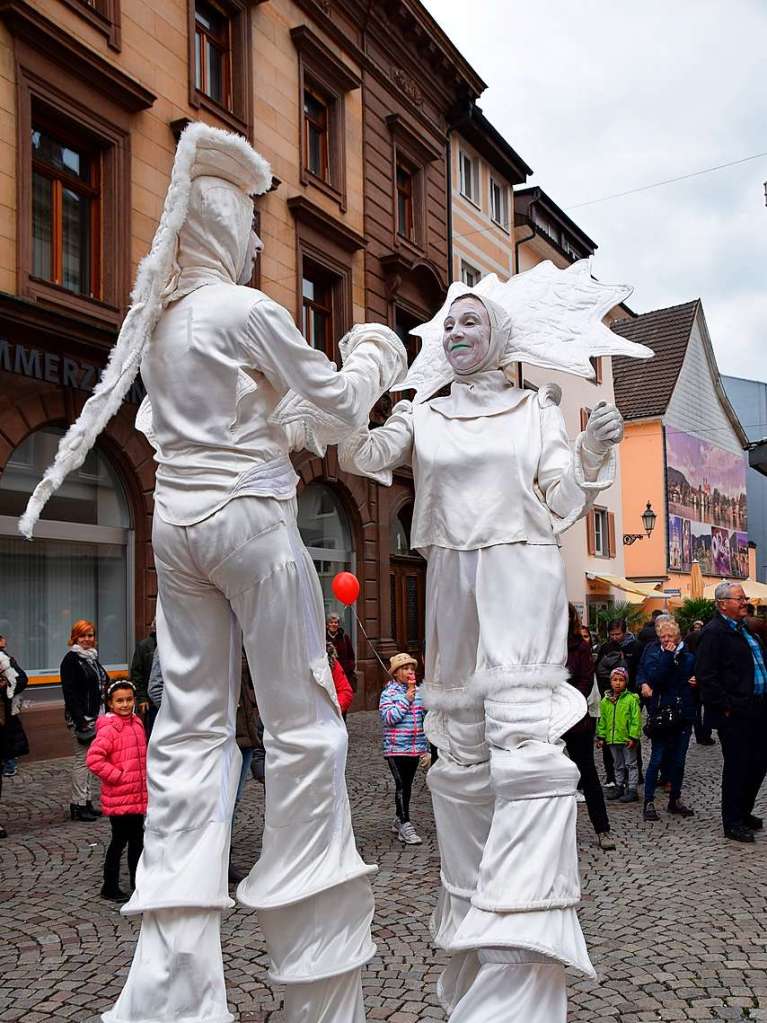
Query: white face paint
466	336
255	246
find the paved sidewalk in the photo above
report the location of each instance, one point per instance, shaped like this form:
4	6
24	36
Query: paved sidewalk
676	917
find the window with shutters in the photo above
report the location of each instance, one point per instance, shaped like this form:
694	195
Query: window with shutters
600	533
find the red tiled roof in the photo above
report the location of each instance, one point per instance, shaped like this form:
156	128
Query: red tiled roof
643	388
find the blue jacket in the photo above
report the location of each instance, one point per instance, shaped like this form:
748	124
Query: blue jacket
668	675
403	722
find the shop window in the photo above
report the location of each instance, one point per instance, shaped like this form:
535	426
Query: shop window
326	532
66	193
212	53
469	274
499	204
600	533
219	59
78	566
324	81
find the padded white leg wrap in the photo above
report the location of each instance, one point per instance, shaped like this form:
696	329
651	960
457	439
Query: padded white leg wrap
177	975
334	1000
323	936
514	987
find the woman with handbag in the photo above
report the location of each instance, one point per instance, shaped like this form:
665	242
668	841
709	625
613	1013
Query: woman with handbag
670	690
83	683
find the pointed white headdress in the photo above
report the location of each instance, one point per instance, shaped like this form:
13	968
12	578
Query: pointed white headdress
556	322
202	152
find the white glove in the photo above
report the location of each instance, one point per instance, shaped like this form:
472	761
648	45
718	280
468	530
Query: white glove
604	429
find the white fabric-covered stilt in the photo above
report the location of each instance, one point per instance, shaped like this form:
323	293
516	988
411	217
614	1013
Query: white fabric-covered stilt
246	564
177	973
503	791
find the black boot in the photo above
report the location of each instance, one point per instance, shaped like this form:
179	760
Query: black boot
114	894
81	813
650	813
92	809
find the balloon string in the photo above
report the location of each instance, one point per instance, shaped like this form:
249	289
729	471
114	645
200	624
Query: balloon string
375	652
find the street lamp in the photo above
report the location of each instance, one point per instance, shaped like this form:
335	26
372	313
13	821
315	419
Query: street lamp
648	521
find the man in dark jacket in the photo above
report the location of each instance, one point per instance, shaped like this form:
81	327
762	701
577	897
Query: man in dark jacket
344	648
140	669
730	669
647	632
620	651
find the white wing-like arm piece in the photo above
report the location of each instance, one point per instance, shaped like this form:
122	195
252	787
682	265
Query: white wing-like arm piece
556	317
320	427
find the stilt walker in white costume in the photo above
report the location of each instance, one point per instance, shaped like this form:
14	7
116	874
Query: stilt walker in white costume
217	358
496	481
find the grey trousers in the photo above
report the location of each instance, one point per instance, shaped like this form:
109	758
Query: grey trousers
626	765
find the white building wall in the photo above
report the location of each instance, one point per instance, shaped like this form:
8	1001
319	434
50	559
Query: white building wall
695	407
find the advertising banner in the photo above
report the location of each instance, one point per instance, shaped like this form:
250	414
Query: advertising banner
707	516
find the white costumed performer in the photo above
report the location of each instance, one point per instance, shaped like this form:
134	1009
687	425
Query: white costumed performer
217	358
496	481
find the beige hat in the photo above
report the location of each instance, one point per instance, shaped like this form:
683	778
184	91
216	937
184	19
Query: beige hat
401	661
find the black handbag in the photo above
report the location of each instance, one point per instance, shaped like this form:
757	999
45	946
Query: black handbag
665	720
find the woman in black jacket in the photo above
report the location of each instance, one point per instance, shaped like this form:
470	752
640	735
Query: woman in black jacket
83	681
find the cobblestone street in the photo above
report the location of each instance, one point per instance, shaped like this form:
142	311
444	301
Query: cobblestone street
675	917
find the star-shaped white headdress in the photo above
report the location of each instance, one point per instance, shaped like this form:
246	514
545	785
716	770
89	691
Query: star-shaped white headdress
556	319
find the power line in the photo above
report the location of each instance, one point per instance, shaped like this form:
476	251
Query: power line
668	181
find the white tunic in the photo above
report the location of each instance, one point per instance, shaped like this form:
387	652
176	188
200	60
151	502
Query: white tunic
220	360
492	465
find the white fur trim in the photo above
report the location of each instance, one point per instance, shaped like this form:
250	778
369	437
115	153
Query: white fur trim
202	150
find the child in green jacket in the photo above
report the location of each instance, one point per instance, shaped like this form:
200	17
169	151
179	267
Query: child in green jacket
620	726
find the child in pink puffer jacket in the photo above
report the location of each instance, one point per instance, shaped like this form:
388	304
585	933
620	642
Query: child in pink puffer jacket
118	757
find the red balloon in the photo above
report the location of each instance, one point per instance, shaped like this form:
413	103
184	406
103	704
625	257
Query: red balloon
346	587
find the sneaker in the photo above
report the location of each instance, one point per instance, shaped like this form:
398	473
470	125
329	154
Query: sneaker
650	813
9	771
706	742
396	825
605	840
579	797
630	796
408	834
616	792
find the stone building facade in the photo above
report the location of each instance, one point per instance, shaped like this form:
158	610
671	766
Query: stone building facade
351	103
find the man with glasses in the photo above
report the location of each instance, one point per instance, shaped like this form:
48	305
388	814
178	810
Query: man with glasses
730	669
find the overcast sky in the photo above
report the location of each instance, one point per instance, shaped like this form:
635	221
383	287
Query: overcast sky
602	96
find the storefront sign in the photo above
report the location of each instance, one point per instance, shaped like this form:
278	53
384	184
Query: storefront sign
56	369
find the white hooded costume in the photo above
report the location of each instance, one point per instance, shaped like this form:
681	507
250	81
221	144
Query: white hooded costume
217	359
495	482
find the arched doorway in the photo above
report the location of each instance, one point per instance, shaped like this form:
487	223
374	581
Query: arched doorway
80	564
327	535
407	581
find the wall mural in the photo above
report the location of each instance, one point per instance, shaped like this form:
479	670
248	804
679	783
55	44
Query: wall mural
707	515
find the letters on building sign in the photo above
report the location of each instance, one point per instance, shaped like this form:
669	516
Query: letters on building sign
56	369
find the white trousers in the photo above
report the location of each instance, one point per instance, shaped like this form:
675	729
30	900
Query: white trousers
244	572
503	790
